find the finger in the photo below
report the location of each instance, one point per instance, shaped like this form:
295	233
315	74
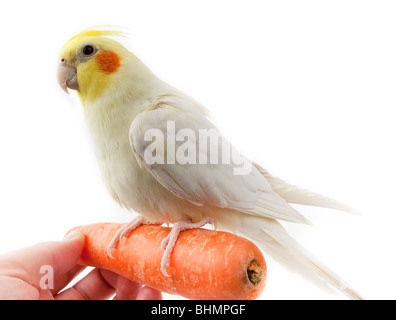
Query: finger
147	293
91	287
62	280
58	256
125	289
129	290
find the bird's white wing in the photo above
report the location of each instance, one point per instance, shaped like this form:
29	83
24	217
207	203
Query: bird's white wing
184	151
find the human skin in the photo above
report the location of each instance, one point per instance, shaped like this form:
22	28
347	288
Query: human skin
20	275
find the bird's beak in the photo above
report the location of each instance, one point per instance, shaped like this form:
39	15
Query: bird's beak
67	75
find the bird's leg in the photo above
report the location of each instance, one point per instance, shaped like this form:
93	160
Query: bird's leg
126	230
169	242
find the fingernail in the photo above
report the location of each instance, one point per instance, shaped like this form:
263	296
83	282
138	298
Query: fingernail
73	235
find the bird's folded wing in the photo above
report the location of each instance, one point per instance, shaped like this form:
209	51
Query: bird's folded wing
169	142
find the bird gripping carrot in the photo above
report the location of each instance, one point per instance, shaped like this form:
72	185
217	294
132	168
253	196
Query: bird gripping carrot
147	139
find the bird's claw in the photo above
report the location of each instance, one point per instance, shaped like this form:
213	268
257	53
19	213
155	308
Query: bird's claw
164	243
124	232
169	241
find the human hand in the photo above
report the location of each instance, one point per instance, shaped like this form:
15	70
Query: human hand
22	275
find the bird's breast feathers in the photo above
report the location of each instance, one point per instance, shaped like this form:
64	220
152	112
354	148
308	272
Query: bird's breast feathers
132	186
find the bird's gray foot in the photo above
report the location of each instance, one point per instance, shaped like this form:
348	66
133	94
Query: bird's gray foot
169	242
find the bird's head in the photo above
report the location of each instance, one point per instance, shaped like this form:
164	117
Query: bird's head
90	63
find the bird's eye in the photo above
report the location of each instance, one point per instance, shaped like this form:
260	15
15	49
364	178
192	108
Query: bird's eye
88	50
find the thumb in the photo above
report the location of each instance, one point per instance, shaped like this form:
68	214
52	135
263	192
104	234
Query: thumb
61	256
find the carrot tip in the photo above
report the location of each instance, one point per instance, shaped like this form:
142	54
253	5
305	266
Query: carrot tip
255	273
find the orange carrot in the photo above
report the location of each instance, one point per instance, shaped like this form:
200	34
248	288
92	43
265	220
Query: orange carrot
204	264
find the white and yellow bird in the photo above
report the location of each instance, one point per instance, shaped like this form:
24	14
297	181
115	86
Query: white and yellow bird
126	106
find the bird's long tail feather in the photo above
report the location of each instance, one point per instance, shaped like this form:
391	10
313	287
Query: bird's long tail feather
295	194
275	240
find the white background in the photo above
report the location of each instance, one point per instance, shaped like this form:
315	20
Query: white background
306	88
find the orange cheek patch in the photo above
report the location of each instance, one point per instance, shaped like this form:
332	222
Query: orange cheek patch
108	61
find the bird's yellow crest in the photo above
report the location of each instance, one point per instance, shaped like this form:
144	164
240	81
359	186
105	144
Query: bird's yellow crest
94	32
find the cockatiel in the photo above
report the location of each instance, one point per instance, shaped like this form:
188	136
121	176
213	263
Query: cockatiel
142	129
